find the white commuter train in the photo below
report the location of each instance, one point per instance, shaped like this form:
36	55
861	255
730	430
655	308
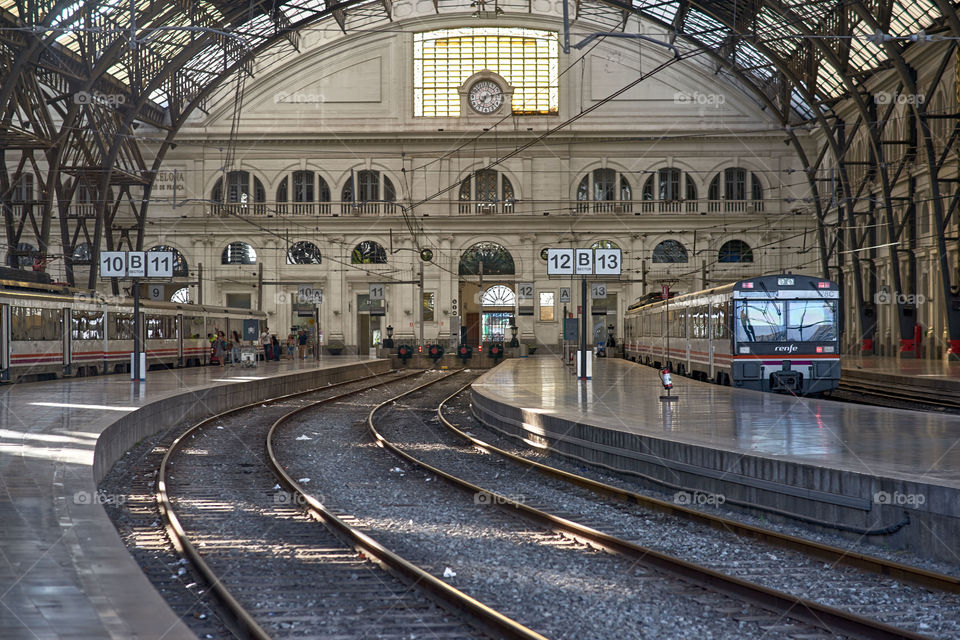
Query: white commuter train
49	331
772	333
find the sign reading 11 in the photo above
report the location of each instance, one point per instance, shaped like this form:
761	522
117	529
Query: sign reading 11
602	262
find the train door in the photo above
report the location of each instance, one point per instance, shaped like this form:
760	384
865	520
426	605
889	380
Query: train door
473	328
4	342
711	343
688	324
67	325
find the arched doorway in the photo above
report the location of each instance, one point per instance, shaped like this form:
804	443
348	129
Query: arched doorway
486	292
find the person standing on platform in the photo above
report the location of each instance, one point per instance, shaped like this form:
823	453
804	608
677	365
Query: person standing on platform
236	347
275	347
220	348
290	345
302	343
265	341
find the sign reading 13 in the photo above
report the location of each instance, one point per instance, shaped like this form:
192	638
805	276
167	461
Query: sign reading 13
607	262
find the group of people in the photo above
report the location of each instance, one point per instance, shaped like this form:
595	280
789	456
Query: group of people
222	347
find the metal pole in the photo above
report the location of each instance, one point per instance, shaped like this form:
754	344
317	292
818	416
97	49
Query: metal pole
421	303
136	330
199	283
583	329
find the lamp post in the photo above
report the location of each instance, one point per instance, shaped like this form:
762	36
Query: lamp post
388	343
513	339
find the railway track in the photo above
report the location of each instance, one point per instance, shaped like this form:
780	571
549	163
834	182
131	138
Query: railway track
274	569
902	396
841	604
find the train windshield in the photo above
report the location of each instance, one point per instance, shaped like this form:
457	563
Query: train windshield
761	321
812	321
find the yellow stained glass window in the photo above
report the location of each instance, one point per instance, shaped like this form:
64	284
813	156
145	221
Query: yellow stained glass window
526	58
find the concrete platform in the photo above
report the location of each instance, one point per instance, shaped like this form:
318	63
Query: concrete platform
864	467
64	572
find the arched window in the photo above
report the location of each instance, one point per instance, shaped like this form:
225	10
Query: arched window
244	193
604	244
303	252
368	252
665	186
311	194
82	253
180	267
367	196
728	191
735	251
609	191
498	296
670	251
496	260
238	253
181	295
487	189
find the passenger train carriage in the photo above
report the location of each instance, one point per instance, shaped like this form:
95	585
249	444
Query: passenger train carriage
772	333
48	331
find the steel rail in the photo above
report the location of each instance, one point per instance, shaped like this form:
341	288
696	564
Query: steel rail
241	623
784	604
916	395
490	619
837	555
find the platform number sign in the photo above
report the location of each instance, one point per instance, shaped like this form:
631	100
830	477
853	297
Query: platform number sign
155	291
583	265
525	291
598	291
377	290
113	264
136	264
564	295
159	264
309	295
559	262
608	262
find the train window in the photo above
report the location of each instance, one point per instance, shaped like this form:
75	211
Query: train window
87	325
120	326
31	324
193	326
719	320
812	320
161	327
761	321
698	322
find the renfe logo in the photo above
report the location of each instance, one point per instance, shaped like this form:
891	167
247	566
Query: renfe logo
789	348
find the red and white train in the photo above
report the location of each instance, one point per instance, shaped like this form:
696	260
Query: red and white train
772	333
49	331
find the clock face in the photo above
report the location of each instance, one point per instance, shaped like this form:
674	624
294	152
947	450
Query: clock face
485	96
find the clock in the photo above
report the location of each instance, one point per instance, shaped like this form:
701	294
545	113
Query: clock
485	96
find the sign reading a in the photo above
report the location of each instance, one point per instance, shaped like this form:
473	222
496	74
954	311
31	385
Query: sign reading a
564	295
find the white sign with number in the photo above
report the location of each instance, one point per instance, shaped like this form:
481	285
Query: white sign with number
607	262
155	291
308	295
377	290
583	263
159	264
598	291
113	264
560	262
136	264
564	295
524	291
